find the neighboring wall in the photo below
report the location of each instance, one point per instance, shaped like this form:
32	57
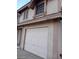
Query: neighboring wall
52	7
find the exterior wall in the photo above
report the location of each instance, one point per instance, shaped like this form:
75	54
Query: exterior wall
31	14
22	38
50	38
57	42
18	36
60	40
59	5
54	39
18	16
21	18
55	30
52	6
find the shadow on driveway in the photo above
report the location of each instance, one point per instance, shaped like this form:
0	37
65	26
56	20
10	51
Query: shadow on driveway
26	55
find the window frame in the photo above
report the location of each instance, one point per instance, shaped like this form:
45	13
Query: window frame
38	14
25	14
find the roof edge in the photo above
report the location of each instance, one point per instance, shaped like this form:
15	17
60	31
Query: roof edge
23	7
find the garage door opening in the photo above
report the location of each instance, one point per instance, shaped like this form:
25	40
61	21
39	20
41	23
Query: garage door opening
36	41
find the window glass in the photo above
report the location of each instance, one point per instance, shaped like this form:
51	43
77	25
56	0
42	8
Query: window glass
40	8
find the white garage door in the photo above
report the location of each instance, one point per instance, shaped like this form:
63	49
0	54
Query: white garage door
36	41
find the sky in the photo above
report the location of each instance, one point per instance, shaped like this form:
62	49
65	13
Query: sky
21	3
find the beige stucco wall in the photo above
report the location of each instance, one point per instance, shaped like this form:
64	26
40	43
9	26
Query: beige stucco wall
31	14
54	39
22	38
55	32
18	36
21	18
52	6
59	40
50	36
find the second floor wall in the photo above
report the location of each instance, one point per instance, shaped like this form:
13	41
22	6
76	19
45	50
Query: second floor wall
52	6
30	15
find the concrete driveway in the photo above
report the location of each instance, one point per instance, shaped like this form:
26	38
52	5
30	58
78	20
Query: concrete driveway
26	55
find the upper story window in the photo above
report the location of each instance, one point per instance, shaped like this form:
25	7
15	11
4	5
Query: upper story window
25	14
18	17
40	7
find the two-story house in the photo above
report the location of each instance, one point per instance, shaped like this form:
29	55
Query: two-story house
39	28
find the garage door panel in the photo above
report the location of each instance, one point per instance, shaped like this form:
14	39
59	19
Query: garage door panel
36	41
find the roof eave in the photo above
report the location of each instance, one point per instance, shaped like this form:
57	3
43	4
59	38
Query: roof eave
23	7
